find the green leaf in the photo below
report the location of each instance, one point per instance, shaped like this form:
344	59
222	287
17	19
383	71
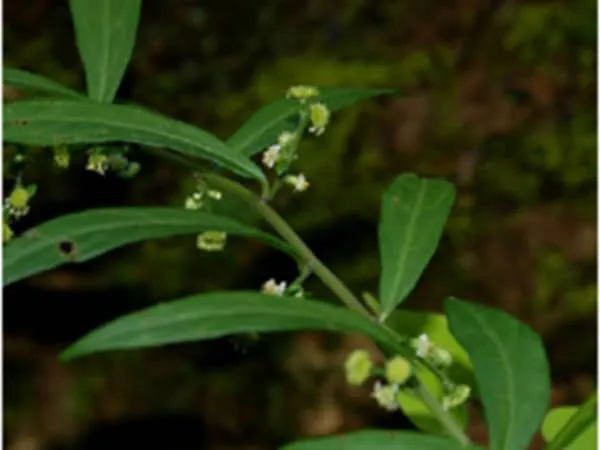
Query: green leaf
413	214
105	35
511	370
217	314
379	440
412	324
85	235
264	126
572	428
32	82
54	122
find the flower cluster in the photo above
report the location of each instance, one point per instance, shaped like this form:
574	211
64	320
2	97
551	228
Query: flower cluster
441	359
398	373
62	157
100	162
16	206
271	287
282	154
427	350
200	199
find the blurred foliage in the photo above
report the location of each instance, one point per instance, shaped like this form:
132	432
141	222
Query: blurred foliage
498	97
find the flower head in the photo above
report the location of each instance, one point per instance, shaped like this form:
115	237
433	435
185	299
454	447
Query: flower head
285	138
398	370
194	201
214	194
459	395
422	345
17	203
98	162
271	156
385	395
358	367
271	287
302	92
440	357
212	241
299	182
319	118
62	157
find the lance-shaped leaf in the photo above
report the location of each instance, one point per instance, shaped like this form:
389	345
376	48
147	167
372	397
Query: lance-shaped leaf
33	82
217	314
511	370
379	440
413	214
79	237
105	35
264	126
52	122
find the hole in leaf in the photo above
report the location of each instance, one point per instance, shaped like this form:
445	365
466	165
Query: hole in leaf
68	250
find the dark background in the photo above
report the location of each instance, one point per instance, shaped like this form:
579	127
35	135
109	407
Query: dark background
499	97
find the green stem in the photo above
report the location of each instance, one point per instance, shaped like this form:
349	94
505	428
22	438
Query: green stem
287	233
443	416
576	425
331	281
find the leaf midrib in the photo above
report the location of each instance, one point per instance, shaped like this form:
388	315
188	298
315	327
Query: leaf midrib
224	151
105	57
262	130
248	308
401	265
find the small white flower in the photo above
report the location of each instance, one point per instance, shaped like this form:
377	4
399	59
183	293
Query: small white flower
441	357
285	138
97	162
271	155
385	395
423	346
299	182
271	287
214	194
192	204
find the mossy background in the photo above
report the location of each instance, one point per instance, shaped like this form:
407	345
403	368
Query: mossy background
498	97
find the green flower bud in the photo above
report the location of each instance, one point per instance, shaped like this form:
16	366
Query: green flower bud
211	241
319	117
398	370
459	395
358	367
302	92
